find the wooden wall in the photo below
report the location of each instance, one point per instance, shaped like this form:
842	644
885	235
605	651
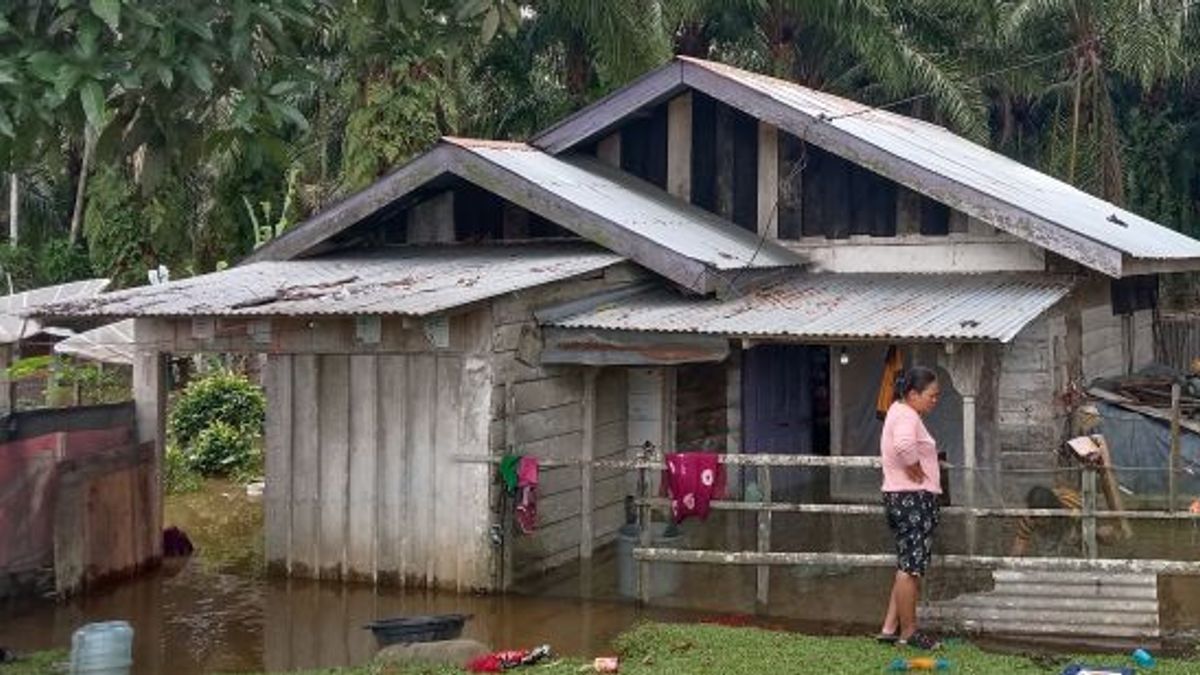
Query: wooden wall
362	482
539	411
701	407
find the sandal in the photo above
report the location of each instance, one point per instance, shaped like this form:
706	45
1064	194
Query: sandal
888	638
919	640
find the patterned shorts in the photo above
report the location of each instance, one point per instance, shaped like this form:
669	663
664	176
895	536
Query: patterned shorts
912	517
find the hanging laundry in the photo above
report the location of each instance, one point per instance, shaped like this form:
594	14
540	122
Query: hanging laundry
694	479
508	472
893	367
527	480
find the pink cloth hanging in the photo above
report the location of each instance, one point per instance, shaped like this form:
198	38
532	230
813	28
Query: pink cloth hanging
527	480
694	479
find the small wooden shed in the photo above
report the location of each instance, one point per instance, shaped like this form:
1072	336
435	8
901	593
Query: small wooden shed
706	259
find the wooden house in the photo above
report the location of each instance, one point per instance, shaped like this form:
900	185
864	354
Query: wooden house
705	259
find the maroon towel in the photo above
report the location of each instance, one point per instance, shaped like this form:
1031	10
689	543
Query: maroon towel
693	480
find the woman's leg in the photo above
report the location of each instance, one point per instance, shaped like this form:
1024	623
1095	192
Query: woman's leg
908	589
891	620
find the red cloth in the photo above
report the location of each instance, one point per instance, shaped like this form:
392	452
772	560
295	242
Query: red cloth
527	480
693	480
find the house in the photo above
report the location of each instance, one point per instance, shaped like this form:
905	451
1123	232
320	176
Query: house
706	258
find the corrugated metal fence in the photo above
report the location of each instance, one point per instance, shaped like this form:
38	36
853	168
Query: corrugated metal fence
1177	340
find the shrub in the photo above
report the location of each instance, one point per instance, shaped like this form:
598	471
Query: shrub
60	262
217	422
222	450
178	474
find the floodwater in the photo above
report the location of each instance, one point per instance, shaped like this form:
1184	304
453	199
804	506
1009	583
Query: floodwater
217	612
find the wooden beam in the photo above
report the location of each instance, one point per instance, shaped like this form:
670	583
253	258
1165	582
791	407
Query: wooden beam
1174	464
342	215
608	150
150	399
592	121
679	147
587	504
278	497
768	181
762	574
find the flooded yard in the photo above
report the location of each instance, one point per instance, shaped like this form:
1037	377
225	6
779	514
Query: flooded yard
218	612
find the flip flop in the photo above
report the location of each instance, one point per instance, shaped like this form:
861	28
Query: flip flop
888	638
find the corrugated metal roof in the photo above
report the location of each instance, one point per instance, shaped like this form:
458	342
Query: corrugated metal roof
110	343
14	308
988	307
970	164
408	280
636	205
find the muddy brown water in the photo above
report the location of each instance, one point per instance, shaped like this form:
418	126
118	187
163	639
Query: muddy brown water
217	612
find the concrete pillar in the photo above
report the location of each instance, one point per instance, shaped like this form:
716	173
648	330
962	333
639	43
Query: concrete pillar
150	401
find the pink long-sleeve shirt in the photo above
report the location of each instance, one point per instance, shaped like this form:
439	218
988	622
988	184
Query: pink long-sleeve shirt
904	442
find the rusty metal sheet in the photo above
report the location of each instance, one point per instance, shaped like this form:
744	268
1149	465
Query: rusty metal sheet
989	307
412	281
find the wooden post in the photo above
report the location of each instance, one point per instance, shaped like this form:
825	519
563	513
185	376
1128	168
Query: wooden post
643	521
679	147
7	394
150	401
1088	522
970	467
768	180
587	506
763	573
506	504
1173	462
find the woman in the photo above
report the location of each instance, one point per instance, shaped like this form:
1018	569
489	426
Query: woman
911	485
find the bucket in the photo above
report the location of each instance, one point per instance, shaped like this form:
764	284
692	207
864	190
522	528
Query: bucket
104	648
664	577
408	629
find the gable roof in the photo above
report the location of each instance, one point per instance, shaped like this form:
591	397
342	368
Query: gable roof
924	157
403	280
684	243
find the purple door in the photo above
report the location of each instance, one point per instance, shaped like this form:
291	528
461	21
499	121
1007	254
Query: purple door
777	412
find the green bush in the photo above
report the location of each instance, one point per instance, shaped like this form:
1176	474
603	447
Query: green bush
61	262
178	474
217	422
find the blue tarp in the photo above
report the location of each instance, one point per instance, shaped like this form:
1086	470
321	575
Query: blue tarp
1141	447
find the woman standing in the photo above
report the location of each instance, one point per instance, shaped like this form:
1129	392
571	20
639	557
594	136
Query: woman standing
911	485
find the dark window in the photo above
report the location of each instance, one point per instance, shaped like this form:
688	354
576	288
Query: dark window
1133	294
644	147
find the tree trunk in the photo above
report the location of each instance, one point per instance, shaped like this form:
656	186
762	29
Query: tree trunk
14	208
81	187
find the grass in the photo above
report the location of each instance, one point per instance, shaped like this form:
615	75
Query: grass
38	663
684	649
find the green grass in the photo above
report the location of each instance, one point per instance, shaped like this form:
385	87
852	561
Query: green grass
684	649
38	663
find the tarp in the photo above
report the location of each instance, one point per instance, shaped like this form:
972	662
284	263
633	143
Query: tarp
111	343
1141	446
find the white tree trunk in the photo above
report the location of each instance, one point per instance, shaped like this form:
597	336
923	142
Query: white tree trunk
14	206
89	143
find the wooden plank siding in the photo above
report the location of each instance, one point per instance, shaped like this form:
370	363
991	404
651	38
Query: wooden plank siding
365	447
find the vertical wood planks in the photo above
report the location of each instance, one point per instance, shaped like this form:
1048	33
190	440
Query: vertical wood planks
364	438
768	181
393	530
334	412
446	500
421	482
306	469
679	147
586	500
608	150
474	549
278	497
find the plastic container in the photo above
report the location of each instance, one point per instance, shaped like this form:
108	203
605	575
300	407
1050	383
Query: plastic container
408	629
104	648
1143	658
664	577
918	663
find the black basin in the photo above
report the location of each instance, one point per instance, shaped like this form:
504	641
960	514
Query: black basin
408	629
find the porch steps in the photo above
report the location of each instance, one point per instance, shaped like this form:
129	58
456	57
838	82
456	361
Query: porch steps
1050	603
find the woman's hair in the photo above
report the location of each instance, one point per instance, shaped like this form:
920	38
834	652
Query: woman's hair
918	379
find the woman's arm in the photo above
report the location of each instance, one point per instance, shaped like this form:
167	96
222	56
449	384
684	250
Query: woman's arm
904	441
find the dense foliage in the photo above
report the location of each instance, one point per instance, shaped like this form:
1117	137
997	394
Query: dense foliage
142	133
217	425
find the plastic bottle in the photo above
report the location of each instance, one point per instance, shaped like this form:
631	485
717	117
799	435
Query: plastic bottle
918	663
104	648
1143	658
